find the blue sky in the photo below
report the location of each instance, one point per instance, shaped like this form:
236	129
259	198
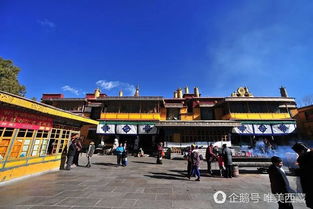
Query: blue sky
73	47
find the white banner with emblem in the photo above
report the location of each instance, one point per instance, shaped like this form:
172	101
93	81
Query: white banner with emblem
106	129
126	129
283	128
243	129
147	129
262	129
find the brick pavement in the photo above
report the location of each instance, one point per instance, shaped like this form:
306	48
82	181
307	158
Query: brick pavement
142	184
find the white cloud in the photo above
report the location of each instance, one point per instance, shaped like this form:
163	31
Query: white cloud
110	85
107	85
70	89
47	23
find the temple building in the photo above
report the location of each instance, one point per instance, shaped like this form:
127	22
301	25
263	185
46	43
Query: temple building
304	117
34	136
184	119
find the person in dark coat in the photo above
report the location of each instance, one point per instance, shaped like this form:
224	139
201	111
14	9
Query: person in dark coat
305	171
195	163
71	153
228	161
78	150
279	182
210	156
191	148
159	153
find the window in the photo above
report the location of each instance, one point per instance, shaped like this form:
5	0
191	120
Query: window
130	107
112	106
149	107
58	141
43	147
258	107
25	147
95	113
173	114
207	113
273	107
36	147
1	131
8	132
22	143
238	108
6	135
54	140
189	106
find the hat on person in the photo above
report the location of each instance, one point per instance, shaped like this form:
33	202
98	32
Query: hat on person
298	147
276	159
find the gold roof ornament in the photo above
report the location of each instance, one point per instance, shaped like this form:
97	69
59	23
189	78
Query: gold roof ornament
179	93
137	92
242	92
186	90
120	93
97	93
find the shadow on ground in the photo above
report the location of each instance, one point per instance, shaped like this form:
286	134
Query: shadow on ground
170	176
105	164
143	162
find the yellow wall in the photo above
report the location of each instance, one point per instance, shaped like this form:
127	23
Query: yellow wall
130	116
195	115
28	170
256	116
163	114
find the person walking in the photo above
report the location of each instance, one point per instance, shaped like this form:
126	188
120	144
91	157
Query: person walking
305	171
119	154
279	183
159	153
210	157
91	150
71	153
228	161
195	163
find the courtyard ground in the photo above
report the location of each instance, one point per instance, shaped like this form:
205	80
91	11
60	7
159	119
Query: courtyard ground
142	184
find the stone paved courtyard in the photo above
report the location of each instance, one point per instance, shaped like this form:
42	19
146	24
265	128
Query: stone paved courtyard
142	184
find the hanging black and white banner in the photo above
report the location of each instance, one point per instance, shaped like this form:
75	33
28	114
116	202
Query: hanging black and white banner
147	129
243	129
106	129
283	128
126	129
263	129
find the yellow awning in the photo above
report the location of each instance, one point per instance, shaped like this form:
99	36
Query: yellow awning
42	108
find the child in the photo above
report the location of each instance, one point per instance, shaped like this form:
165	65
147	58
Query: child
221	164
90	152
